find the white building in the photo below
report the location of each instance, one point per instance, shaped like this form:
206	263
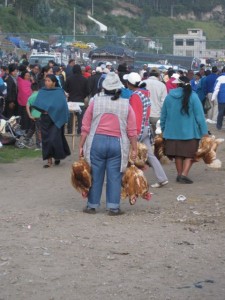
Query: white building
191	44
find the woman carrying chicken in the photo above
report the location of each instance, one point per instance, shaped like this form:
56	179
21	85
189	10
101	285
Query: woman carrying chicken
108	129
140	102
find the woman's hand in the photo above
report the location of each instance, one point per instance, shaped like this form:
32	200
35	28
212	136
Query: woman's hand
81	152
12	105
133	155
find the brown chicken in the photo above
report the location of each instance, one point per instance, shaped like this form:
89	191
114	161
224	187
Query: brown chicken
142	156
207	151
81	176
134	185
159	149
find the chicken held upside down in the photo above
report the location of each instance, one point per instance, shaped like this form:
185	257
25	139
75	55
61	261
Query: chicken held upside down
81	176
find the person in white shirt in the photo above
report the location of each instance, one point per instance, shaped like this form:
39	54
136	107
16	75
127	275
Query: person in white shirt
143	70
158	94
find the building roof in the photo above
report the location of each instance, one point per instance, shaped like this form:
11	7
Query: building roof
112	51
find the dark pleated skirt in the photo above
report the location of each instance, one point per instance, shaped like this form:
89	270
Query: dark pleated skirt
181	148
25	120
54	143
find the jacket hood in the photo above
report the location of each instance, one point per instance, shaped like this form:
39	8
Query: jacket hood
176	93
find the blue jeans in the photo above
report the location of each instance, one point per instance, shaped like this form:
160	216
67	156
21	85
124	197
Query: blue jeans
105	158
221	113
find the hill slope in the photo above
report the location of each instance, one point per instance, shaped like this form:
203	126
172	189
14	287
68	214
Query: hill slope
152	18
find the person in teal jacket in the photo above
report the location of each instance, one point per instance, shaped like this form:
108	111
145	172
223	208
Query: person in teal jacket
183	125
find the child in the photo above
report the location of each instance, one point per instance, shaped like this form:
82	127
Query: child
34	115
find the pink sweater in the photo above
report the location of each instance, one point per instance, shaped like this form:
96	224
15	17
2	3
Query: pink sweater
109	123
24	91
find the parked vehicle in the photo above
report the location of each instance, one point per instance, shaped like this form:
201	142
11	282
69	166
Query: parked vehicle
42	58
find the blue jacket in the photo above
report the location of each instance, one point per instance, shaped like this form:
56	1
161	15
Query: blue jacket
176	125
219	89
201	88
210	82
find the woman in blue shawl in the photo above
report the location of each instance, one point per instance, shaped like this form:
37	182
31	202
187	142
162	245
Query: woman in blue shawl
51	101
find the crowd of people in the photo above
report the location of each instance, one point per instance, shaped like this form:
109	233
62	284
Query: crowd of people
120	108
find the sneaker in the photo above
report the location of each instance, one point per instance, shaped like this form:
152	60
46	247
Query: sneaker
183	179
160	184
89	210
210	121
115	212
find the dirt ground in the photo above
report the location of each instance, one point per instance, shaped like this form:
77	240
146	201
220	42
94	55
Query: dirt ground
162	249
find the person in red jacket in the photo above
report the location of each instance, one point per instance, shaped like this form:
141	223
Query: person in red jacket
169	84
140	102
87	72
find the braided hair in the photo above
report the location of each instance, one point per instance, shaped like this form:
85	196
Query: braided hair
187	90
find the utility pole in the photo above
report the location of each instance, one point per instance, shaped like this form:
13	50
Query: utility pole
74	23
92	7
171	11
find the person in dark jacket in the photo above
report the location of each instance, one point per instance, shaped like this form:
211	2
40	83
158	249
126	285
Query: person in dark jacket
77	88
11	105
69	68
122	70
93	82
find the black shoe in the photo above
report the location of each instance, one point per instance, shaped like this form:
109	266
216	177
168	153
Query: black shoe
57	162
115	212
178	178
89	210
184	179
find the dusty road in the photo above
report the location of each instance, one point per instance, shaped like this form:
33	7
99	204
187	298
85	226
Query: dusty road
162	249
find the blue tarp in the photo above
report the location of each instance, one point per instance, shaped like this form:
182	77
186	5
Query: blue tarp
17	42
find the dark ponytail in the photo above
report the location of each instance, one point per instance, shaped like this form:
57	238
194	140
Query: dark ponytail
187	90
116	93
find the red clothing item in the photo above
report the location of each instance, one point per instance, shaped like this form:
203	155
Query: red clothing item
109	123
86	74
136	104
170	85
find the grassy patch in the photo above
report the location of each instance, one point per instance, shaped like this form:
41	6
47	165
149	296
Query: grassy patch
10	154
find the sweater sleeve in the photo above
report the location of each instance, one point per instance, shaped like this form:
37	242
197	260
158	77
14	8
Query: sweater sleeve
199	116
163	115
87	119
216	90
136	104
131	123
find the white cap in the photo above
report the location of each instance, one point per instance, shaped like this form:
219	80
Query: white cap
99	69
108	63
133	78
175	75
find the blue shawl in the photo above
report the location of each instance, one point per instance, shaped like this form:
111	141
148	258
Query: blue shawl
53	101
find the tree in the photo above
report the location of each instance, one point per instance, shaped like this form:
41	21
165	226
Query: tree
43	15
23	7
61	17
112	35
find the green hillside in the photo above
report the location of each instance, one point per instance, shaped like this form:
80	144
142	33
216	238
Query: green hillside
150	18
